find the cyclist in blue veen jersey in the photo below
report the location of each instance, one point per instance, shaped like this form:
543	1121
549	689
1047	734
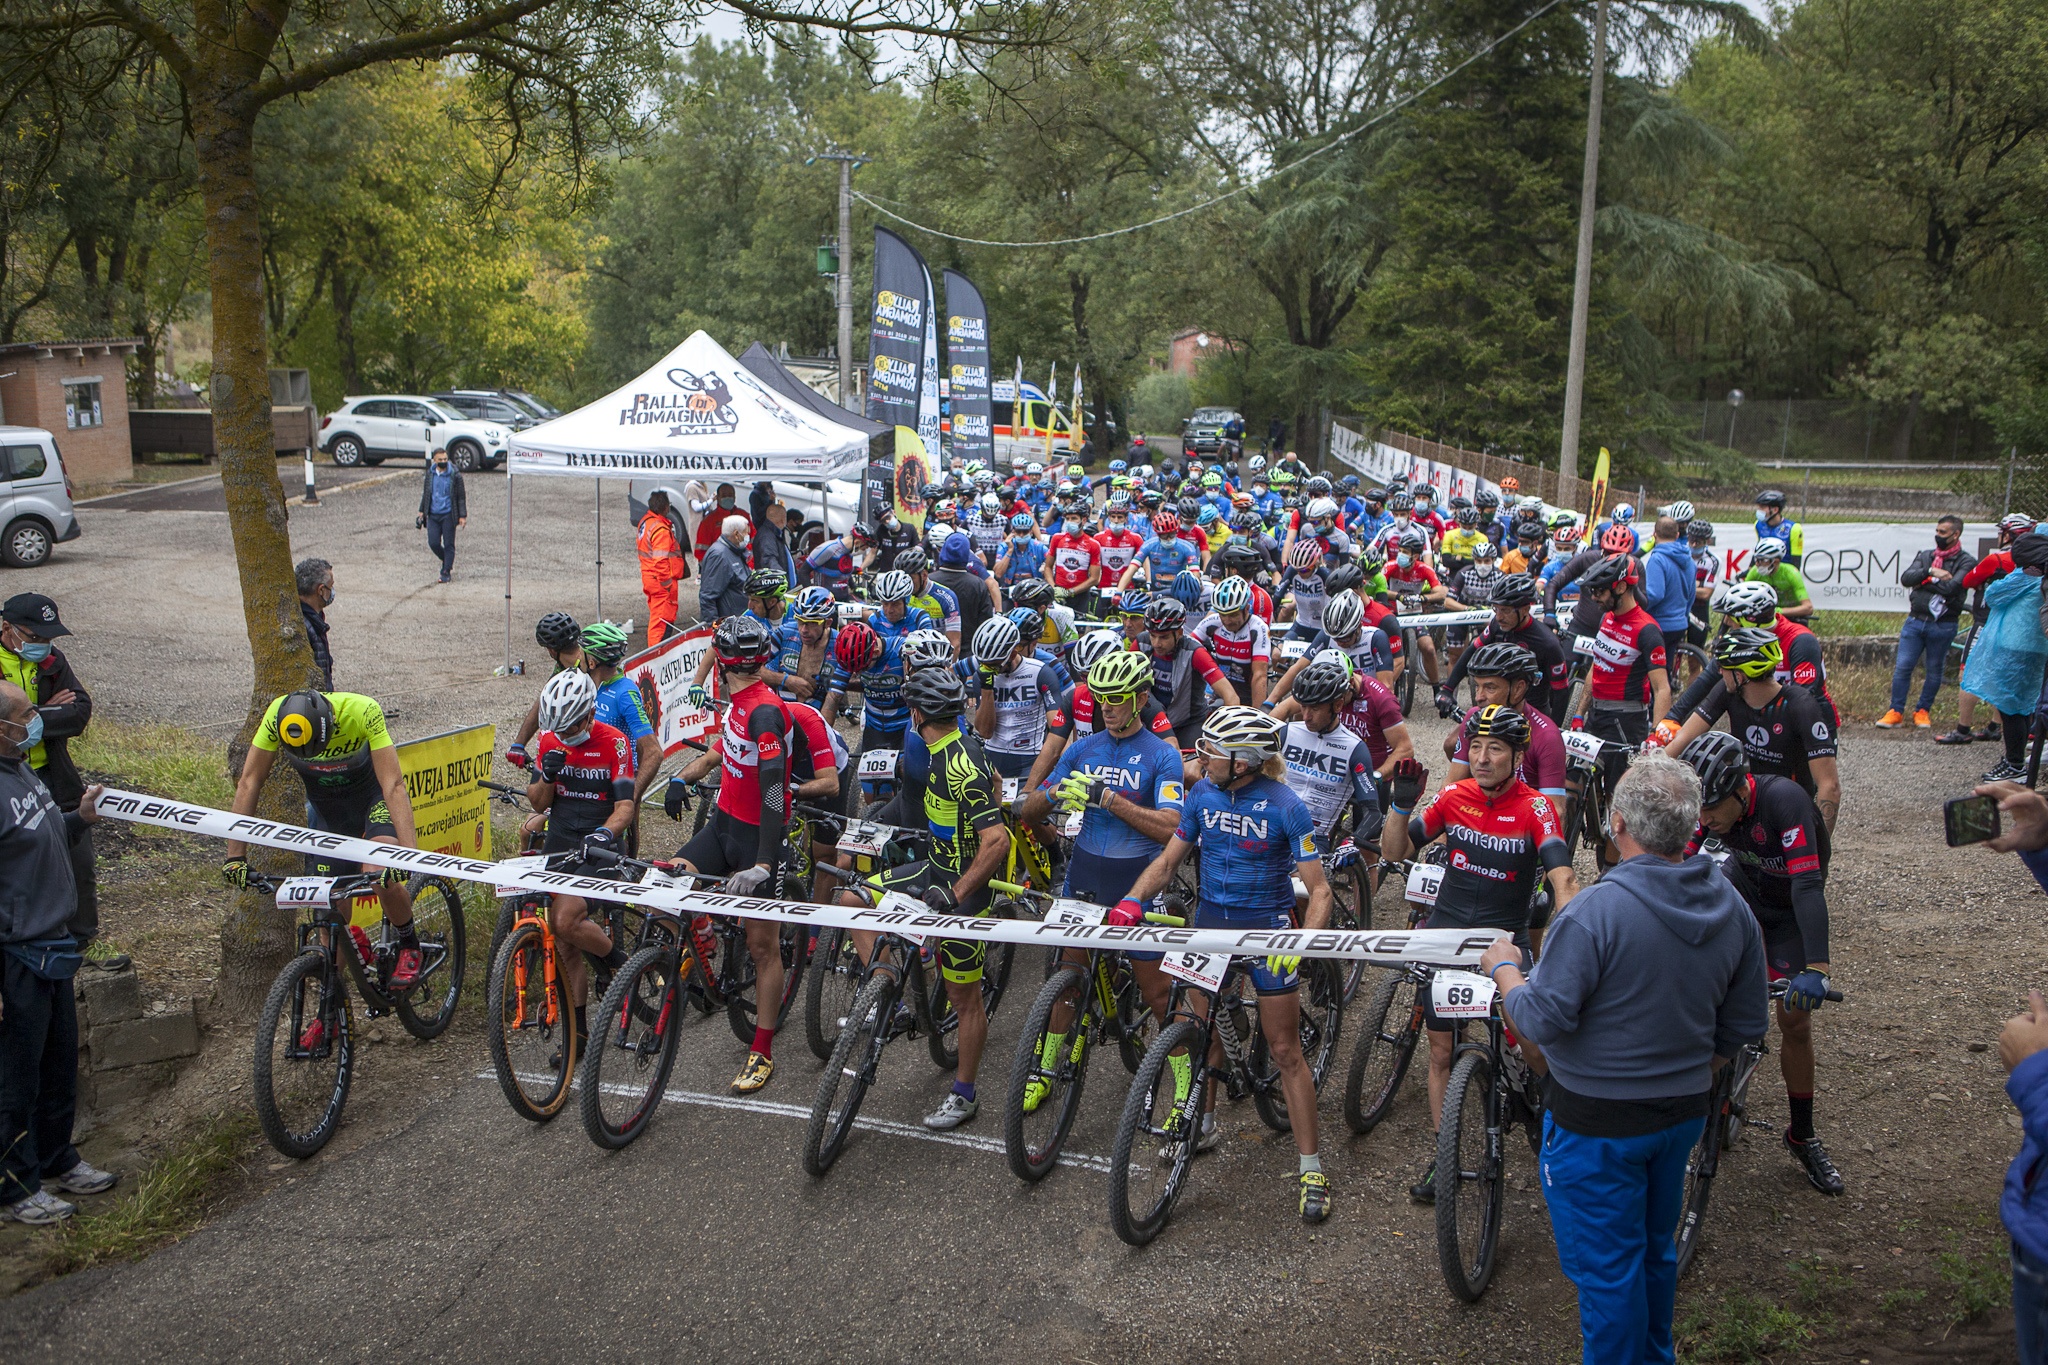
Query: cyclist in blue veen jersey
1164	554
1023	555
1254	836
894	617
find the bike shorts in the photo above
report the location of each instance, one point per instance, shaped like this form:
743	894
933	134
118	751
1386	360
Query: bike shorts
1617	727
1186	733
1011	765
1428	1009
1265	980
1784	958
1696	632
1105	881
1301	630
360	815
959	959
723	846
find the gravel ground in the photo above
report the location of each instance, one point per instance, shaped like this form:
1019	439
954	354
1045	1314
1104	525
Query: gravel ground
915	1242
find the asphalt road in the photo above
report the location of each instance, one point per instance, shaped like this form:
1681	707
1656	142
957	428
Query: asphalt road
205	494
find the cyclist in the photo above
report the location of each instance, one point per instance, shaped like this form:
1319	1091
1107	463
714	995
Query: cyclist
894	617
582	790
1778	859
1021	703
767	594
1180	666
1785	732
1529	550
935	600
1515	622
1772	525
1706	575
762	748
1767	565
1074	563
1254	836
1329	766
1623	516
1236	639
1344	629
342	751
1305	587
1504	842
1460	544
834	563
986	526
1505	674
619	704
1474	585
1410	579
1118	542
860	653
1631	680
1756	604
1164	554
1022	556
804	646
558	634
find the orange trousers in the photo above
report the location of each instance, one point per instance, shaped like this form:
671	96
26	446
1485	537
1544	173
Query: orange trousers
661	616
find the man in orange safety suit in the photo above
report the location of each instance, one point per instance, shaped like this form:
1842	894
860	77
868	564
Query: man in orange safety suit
661	566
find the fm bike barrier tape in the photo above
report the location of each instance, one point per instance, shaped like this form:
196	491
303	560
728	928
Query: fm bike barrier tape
1437	947
1444	618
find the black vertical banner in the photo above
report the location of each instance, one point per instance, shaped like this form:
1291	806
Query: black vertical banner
895	349
973	426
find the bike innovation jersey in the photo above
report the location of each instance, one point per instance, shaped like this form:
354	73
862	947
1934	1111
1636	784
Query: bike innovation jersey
1329	771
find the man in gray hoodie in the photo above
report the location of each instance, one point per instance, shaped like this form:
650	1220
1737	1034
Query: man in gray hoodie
1651	979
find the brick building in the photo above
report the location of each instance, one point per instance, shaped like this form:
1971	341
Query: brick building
1184	354
77	391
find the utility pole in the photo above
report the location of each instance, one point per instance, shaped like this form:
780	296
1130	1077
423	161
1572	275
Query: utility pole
1582	282
848	163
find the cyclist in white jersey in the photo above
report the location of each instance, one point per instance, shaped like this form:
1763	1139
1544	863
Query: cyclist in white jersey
1328	766
1237	640
1307	583
1020	699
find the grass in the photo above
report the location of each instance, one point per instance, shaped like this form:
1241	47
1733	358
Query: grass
170	1198
1741	1328
1976	1284
163	760
1894	1301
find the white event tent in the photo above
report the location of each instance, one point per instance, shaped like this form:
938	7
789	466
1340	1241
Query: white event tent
697	412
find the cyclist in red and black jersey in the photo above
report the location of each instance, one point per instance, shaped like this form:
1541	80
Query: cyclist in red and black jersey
1783	729
1505	842
760	746
1631	681
1778	859
1514	623
1756	604
1505	674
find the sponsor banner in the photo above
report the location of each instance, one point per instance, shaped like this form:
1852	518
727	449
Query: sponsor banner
898	915
972	435
1849	565
913	472
928	370
902	308
663	676
450	812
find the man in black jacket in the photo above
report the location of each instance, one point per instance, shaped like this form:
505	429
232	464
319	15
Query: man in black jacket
443	507
1936	579
28	659
38	1012
316	595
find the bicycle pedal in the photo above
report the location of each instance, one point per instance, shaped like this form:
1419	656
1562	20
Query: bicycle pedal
1757	1123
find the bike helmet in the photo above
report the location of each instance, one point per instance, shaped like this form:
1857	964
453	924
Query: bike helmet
1029	621
1457	501
744	643
995	640
1206	514
1321	509
1134	602
1511	484
1505	723
1413	541
1152	500
1188	509
1343	613
568	703
769	583
1504	659
1032	592
990	504
1485	550
816	604
1618	540
1119	501
2013	524
1076	472
1257	464
932	492
893	586
1067	491
558	630
1241	733
1681	512
1699	531
862	533
1371	560
604	644
1622	514
1771	497
1091	649
1401	502
1304	555
1747	601
1514	590
1722	764
1322	683
305	720
1486	500
1212	479
1035	469
1233	594
857	648
1187	588
935	693
1752	651
1023	523
1166	525
1568	536
1119	673
1246	522
1318	486
1769	551
1349	483
1613	572
914	561
1467	517
1166	614
1118	466
1528	533
927	649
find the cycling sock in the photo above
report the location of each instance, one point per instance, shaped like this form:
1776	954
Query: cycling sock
409	934
764	1041
1802	1117
1310	1162
964	1089
1049	1049
1183	1075
616	958
582	1021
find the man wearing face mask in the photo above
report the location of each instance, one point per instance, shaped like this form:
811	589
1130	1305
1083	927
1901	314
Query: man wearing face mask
1935	578
722	508
443	507
316	595
28	659
1074	564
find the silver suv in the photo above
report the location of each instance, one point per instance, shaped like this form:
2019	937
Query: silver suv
35	497
373	429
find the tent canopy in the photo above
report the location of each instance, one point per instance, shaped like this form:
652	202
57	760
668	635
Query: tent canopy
696	413
779	377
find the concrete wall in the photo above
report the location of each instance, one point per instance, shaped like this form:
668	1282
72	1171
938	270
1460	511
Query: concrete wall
33	396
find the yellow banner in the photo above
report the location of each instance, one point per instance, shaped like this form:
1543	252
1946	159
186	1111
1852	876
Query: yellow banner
452	813
1599	496
913	472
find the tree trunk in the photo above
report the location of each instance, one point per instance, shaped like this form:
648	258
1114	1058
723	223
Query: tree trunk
345	334
255	938
1902	435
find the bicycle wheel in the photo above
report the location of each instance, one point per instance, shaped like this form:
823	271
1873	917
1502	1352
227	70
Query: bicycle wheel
1700	660
1411	664
530	1028
1701	1166
508	915
1386	1044
305	1056
740	1008
1469	1192
429	1007
632	1047
1136	1024
1351	909
1144	1181
1057	1060
829	989
855	1059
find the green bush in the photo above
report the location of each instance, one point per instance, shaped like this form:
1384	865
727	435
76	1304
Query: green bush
1160	403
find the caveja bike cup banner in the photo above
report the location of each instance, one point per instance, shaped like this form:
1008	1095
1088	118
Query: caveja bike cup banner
663	676
972	432
897	915
450	812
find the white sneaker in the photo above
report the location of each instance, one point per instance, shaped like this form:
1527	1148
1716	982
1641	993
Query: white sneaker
1211	1134
956	1110
41	1209
85	1179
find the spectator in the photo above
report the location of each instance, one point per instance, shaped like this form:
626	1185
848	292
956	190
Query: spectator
1669	581
1662	937
716	513
1997	564
28	659
662	566
772	539
722	586
1936	579
316	595
960	571
2005	665
443	507
38	1012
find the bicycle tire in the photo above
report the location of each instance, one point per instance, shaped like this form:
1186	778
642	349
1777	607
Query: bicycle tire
1380	1061
285	1006
1701	1165
741	1009
508	915
829	990
438	920
1702	661
1351	908
1469	1189
516	1020
1411	664
1136	1024
1133	1224
1031	1160
632	1047
855	1061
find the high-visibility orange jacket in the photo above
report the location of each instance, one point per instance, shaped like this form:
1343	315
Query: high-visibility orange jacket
661	562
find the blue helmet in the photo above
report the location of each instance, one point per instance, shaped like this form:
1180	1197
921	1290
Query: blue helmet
1349	483
1023	521
1187	587
1028	622
1118	467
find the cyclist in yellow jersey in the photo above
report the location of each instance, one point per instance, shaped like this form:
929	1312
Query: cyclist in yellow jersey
343	753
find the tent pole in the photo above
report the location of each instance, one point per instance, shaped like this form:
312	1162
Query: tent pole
508	572
598	484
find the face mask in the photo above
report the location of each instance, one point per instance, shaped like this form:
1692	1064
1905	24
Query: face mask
725	501
1326	526
32	730
1020	540
1119	524
1404	560
576	741
35	651
1073	527
1944	542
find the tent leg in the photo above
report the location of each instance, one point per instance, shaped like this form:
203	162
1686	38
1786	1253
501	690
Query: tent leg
598	484
508	572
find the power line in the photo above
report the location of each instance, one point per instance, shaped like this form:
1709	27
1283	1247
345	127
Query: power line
1246	188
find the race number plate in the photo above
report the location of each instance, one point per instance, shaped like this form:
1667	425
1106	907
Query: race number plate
1065	911
1460	995
1294	649
854	611
1071	826
863	839
1013	789
879	765
1583	644
1202	970
1424	879
1581	745
532	862
898	903
297	893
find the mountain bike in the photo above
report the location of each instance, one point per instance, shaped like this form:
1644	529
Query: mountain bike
1727	1117
1588	760
305	1036
1144	1182
834	977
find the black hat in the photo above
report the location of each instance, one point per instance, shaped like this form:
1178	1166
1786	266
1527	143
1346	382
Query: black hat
34	613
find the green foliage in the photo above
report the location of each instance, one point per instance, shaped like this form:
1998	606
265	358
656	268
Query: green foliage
1159	403
170	1198
1977	1283
1740	1328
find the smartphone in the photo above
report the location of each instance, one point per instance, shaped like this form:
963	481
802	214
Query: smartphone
1971	820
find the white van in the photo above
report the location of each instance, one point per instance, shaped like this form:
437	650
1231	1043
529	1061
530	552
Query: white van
35	497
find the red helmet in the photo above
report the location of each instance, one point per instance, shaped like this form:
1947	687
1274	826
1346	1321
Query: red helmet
1166	525
1618	540
858	647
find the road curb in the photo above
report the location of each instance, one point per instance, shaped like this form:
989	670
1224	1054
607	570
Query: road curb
370	482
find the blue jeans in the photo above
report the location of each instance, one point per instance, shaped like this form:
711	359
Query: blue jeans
2030	1306
1613	1209
1921	641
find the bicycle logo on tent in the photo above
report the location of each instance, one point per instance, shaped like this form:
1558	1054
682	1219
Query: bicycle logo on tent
702	407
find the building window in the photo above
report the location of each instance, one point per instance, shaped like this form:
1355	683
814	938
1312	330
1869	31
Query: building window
82	405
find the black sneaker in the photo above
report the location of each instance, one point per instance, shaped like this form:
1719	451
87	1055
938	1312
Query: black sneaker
2006	771
1423	1191
1990	732
1960	735
1820	1171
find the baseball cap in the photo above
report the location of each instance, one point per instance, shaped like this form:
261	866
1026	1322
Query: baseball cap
35	613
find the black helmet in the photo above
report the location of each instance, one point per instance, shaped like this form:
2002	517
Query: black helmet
1032	592
936	692
1771	497
932	492
1166	614
1720	761
1344	578
1486	500
1615	571
1503	659
1189	509
305	723
1515	590
1242	557
557	631
1321	683
742	642
1230	468
1531	531
1502	723
913	561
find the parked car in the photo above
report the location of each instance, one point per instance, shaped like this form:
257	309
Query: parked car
35	497
490	405
1203	432
370	430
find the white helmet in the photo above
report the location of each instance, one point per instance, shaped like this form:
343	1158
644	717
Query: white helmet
991	505
893	586
1770	548
1332	655
1342	614
1318	508
1747	601
567	704
1258	464
1090	650
927	649
1241	732
1034	469
995	640
1680	511
1232	594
